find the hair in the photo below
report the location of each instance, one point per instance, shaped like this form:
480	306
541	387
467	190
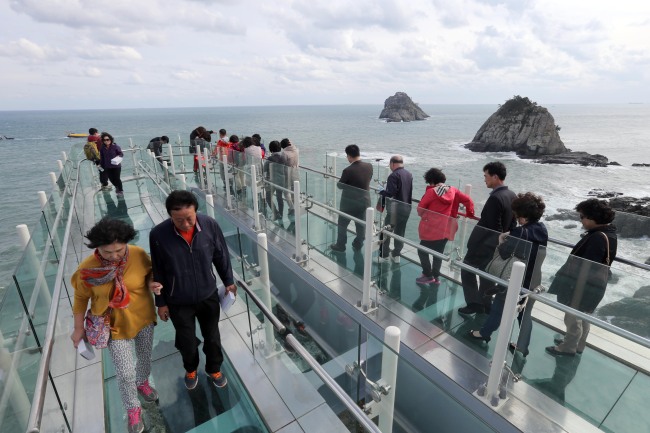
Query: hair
233	139
274	146
434	176
528	205
200	131
352	151
92	131
180	199
247	142
164	139
285	142
596	210
222	132
109	230
396	159
256	135
106	134
496	167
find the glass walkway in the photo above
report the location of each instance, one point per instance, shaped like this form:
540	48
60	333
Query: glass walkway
337	306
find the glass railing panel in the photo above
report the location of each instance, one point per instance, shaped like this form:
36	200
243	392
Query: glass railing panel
630	412
411	411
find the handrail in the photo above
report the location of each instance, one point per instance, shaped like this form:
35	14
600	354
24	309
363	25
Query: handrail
350	404
338	212
36	411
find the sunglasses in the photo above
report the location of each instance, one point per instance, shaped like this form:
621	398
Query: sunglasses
107	139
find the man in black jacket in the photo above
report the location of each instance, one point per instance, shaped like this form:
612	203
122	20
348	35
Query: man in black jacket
156	146
183	250
355	198
399	192
496	218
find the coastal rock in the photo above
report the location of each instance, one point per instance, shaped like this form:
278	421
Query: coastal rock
401	108
520	126
629	313
640	164
578	158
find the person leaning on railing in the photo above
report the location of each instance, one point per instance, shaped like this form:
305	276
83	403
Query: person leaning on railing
581	281
116	279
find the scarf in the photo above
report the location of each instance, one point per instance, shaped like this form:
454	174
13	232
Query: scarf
106	272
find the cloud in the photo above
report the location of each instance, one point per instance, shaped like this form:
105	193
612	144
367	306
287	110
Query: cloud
26	50
108	52
388	15
135	79
185	75
92	72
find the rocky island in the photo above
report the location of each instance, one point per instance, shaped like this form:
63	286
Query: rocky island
529	130
401	108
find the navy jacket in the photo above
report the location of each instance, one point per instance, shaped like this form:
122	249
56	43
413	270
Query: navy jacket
399	187
185	270
107	154
534	234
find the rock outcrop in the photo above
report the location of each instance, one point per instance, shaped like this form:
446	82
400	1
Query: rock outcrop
520	126
578	158
400	108
630	313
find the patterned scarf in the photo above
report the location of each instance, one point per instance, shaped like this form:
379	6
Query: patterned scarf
106	272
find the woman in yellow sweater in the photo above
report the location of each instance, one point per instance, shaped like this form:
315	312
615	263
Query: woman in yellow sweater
116	279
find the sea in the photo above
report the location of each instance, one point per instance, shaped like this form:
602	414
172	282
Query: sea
620	132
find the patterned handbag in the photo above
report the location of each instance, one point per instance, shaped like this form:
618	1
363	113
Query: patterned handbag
98	329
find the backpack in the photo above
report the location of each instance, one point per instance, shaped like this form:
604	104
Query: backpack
91	152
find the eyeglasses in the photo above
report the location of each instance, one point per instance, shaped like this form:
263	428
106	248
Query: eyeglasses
107	139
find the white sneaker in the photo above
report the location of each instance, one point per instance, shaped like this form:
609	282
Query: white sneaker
395	259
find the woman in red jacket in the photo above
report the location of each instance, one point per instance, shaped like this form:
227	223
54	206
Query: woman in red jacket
438	210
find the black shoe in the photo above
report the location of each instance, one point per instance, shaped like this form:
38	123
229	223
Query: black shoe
337	248
512	347
470	309
551	350
558	340
479	336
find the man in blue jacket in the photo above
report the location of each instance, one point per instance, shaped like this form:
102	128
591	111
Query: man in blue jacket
399	192
183	250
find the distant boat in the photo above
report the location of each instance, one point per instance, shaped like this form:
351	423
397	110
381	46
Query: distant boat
4	137
76	135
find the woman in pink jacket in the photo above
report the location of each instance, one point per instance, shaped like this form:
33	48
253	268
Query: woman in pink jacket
438	210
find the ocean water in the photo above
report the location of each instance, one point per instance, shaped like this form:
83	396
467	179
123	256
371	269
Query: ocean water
620	132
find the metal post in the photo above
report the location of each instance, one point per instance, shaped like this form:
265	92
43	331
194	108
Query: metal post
42	198
59	164
170	150
53	179
134	160
389	359
365	304
298	256
226	176
64	156
208	179
262	257
491	393
463	231
181	178
254	192
166	171
209	200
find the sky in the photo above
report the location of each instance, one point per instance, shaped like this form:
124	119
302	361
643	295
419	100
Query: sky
82	54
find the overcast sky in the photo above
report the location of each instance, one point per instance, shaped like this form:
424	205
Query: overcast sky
66	54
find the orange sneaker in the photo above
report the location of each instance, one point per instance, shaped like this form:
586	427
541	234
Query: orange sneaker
218	379
191	379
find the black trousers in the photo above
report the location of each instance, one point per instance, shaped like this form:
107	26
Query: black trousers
431	268
477	294
184	318
113	174
398	221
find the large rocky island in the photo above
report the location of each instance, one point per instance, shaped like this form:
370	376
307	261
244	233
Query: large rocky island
401	108
522	126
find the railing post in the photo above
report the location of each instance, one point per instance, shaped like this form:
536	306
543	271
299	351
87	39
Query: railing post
298	256
53	179
270	348
64	156
166	171
42	199
134	160
209	200
491	392
60	165
181	178
365	304
226	177
208	179
170	150
254	192
389	359
463	233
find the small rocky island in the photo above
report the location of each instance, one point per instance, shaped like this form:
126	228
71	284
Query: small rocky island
529	130
401	108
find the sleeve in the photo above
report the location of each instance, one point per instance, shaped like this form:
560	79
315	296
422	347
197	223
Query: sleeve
595	248
119	151
515	244
425	201
491	215
467	202
156	266
221	257
82	294
345	178
392	187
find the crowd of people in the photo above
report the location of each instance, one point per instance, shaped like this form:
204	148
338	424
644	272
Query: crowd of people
124	285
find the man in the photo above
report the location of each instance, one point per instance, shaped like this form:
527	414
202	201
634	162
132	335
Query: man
293	161
275	172
355	198
399	191
183	250
91	150
221	149
156	145
496	218
199	139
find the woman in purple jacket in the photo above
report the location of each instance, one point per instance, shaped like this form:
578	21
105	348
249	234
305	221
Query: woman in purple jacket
108	151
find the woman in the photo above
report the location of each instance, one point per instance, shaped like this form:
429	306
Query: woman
524	243
438	210
107	153
199	139
581	281
114	277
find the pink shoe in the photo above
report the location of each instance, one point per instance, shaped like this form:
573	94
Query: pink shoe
135	420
